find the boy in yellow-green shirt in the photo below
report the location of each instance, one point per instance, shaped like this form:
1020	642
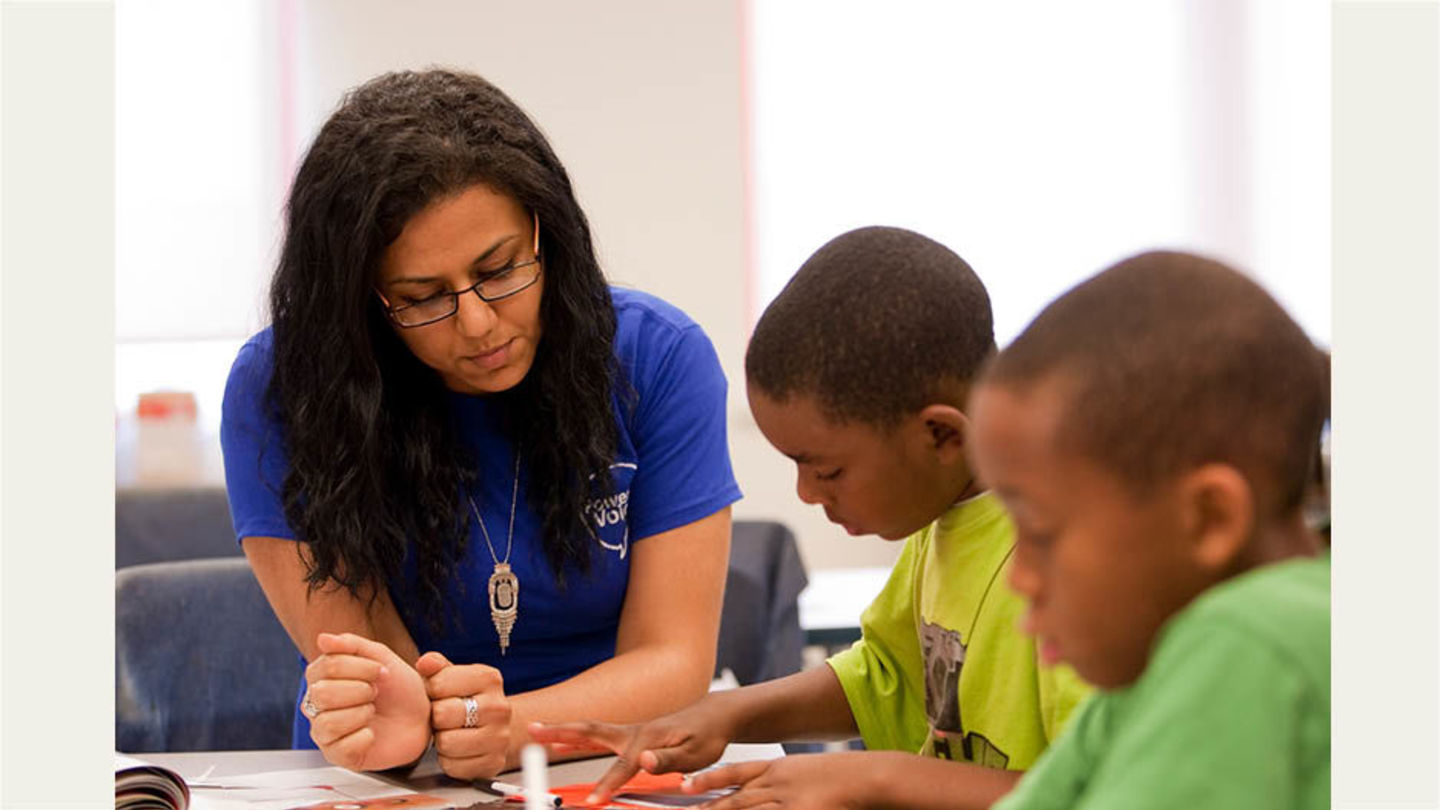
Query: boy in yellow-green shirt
978	694
1152	433
857	372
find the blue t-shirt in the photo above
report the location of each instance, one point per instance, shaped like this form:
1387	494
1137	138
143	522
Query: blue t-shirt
672	467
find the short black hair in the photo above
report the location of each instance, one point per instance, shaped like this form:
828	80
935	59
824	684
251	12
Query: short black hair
1169	361
877	324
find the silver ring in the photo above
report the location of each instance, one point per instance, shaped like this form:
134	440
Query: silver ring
472	712
309	708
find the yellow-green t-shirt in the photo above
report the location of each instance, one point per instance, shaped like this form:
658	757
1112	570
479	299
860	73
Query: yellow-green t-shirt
942	668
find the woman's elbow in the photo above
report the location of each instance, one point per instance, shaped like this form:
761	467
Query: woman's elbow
691	670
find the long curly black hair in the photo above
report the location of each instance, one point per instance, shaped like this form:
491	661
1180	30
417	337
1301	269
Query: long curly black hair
374	462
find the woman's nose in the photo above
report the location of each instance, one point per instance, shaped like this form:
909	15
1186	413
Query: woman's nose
473	315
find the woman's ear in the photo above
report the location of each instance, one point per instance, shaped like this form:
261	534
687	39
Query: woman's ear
946	431
1220	515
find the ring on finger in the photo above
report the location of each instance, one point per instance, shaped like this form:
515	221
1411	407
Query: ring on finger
309	708
472	712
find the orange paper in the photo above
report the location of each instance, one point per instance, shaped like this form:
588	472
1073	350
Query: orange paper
639	784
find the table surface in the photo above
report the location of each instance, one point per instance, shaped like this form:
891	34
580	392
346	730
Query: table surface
426	778
830	606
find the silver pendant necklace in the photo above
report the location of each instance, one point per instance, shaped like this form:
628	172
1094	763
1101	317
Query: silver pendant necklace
504	586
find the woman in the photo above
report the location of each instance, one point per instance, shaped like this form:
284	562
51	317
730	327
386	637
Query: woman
455	438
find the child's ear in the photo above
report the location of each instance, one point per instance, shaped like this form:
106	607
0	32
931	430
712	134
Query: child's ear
1220	515
946	429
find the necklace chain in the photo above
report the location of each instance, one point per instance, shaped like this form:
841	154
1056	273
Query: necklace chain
510	533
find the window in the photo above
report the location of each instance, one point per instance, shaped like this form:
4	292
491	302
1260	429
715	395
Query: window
1043	141
198	183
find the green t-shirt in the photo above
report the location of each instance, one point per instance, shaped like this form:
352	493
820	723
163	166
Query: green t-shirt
942	668
1232	711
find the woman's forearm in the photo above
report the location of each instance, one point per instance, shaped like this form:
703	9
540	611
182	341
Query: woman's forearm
632	687
665	642
305	614
635	687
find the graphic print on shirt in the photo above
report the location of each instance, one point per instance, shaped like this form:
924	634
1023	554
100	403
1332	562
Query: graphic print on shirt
608	513
944	657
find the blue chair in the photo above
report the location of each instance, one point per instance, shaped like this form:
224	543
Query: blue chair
201	663
180	523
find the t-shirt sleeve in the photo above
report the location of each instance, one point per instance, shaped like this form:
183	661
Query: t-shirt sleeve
255	458
881	673
683	472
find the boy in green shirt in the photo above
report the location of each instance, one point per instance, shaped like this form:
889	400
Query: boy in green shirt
858	371
1152	434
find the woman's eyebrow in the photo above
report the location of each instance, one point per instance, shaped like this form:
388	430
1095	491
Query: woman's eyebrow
490	251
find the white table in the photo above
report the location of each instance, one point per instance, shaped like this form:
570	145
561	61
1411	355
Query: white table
426	778
830	606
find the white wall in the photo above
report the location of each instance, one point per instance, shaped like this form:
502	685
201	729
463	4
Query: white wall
197	179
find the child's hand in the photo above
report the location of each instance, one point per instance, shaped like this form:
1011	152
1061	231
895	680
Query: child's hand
796	782
684	741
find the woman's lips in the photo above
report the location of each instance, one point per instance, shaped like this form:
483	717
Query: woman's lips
494	358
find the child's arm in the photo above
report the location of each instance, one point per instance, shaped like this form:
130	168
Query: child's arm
855	779
806	705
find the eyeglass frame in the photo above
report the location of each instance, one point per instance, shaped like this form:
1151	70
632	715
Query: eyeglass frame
475	288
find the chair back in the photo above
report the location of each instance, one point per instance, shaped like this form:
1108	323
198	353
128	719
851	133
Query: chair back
183	523
760	635
201	663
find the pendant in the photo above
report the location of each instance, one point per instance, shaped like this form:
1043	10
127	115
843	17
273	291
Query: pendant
504	602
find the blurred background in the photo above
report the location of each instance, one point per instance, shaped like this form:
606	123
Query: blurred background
714	145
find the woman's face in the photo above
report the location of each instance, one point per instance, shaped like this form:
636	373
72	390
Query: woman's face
485	347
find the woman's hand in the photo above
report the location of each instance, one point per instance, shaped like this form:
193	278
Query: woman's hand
691	738
367	707
797	782
477	750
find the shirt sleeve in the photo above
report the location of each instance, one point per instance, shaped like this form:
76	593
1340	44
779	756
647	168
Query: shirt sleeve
684	471
881	673
255	458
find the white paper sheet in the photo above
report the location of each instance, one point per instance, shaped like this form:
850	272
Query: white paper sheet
281	790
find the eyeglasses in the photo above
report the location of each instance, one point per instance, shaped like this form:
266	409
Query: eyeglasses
494	286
